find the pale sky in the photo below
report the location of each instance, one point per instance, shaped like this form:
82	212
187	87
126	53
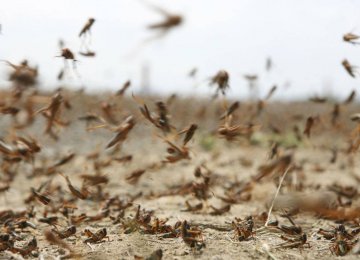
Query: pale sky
303	37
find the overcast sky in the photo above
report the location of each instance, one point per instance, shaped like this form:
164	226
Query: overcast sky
303	38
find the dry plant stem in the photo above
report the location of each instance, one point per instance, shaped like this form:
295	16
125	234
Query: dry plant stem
276	194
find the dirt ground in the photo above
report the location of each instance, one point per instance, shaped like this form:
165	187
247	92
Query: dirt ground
228	164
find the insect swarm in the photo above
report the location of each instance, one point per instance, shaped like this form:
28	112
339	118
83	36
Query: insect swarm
174	172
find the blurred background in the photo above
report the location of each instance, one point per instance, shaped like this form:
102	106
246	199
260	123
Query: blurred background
302	38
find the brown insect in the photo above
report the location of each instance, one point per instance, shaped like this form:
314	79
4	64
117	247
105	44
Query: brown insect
342	245
294	242
351	38
64	160
201	189
170	21
230	132
27	249
51	113
20	223
350	98
189	133
94	179
42	198
192	236
345	191
23	75
355	134
25	148
220	211
350	69
236	197
86	29
278	165
221	79
124	159
6	242
317	99
9	110
243	228
309	124
337	231
271	92
91	117
67	54
134	177
170	100
122	132
355	117
161	121
99	216
230	110
87	53
81	194
95	237
125	86
52	221
76	220
108	112
192	208
176	153
52	238
335	114
291	230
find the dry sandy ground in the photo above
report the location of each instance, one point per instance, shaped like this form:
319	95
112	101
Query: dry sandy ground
224	159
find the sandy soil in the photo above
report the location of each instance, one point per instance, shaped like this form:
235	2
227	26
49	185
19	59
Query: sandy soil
229	163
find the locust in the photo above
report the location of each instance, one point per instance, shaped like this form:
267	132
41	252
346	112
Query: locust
189	133
243	228
134	177
122	132
350	98
125	86
294	242
51	113
351	38
86	29
169	22
81	194
95	237
350	69
308	126
221	79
